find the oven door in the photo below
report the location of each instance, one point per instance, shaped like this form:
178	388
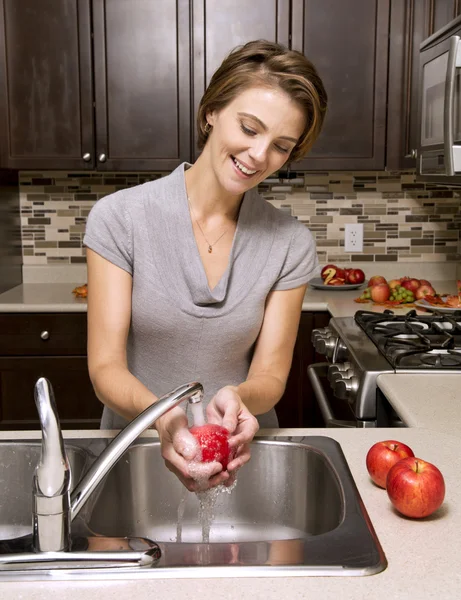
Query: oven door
335	413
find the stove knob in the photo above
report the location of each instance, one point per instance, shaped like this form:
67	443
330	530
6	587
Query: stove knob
326	346
341	352
320	332
334	369
346	389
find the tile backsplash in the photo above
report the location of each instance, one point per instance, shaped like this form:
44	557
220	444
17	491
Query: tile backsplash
404	220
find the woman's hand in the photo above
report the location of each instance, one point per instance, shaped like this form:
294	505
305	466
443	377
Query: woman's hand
227	409
180	452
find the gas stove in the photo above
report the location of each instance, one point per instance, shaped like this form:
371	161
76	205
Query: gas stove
369	344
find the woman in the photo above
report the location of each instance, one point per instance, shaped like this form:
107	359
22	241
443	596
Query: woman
195	277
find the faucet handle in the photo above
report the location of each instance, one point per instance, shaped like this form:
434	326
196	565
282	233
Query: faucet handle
52	474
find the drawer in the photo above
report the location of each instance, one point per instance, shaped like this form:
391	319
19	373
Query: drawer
43	334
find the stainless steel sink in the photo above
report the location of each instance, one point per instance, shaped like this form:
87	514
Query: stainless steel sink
295	509
17	464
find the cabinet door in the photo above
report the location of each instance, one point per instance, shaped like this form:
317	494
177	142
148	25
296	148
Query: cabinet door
221	25
46	99
347	40
412	21
77	404
297	407
142	83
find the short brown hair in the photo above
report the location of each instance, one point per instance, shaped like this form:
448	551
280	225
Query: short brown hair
263	63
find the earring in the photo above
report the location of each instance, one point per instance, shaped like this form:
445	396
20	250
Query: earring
207	128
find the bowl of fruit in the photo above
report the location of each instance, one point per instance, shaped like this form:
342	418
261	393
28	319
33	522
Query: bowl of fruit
397	292
337	278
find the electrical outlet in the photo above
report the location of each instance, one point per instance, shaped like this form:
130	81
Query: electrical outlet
353	237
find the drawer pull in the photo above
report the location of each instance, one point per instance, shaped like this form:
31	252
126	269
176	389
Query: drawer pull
45	335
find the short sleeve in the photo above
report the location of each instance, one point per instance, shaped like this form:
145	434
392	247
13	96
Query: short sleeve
109	232
301	263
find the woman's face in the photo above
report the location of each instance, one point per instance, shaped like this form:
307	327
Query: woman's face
252	137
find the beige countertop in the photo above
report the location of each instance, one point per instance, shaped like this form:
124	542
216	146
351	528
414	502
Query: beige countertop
58	297
423	555
430	401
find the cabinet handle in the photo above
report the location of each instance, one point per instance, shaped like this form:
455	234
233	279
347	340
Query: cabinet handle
102	158
414	153
45	335
86	157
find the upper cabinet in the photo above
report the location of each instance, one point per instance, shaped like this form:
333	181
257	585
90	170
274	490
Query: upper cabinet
411	22
115	98
347	41
116	84
46	97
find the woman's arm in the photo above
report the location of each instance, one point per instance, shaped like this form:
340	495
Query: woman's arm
109	316
273	354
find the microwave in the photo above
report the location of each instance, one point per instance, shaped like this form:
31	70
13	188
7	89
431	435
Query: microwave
439	111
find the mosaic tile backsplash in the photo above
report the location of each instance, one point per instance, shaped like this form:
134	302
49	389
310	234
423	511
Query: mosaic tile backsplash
403	220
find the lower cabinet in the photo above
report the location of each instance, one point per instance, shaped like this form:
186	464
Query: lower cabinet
297	407
51	345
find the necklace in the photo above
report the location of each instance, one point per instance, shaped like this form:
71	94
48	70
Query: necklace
210	246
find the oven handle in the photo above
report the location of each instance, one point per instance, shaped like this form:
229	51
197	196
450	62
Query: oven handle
314	372
449	102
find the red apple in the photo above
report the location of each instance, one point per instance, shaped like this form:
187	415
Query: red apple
424	290
214	443
415	487
382	456
355	276
380	292
425	282
411	284
323	273
334	281
375	280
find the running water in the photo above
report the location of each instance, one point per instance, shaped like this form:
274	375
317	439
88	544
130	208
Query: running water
198	418
181	510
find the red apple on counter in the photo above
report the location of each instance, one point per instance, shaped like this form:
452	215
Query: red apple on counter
355	276
375	280
411	284
424	290
380	292
382	456
415	487
333	273
214	443
425	282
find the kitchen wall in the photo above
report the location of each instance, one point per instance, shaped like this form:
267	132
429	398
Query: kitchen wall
10	232
404	221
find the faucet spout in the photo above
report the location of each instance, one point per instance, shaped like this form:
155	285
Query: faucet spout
107	459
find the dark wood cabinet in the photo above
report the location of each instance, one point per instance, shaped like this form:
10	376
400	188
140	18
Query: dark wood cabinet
46	96
101	84
52	346
297	407
221	25
348	43
411	22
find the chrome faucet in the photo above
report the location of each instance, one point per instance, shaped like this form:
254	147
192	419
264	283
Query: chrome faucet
53	506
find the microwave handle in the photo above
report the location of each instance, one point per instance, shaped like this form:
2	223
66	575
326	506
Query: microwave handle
449	103
321	397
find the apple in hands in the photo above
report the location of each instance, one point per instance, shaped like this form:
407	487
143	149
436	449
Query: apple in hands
214	443
382	456
415	487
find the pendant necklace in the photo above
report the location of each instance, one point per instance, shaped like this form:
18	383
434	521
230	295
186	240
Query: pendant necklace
210	246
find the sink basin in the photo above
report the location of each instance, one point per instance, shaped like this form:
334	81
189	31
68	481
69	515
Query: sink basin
17	464
295	510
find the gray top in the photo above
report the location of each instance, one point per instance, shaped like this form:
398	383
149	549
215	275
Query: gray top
181	330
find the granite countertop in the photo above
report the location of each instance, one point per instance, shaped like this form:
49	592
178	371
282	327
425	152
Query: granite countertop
58	297
423	555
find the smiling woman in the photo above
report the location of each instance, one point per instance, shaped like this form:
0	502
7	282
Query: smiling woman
195	277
